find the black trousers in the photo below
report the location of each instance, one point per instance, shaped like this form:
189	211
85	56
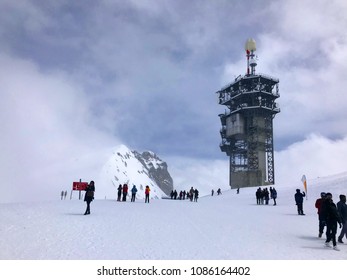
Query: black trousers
331	231
321	223
88	207
300	210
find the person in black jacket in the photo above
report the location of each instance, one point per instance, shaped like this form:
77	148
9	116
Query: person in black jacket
89	196
299	200
342	209
332	218
119	193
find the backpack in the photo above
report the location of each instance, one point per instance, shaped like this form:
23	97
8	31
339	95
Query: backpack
90	194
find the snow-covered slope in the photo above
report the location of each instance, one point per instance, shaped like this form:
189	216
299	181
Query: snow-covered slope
128	167
230	226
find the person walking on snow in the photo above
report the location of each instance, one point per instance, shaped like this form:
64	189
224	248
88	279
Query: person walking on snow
133	193
332	218
89	196
342	209
274	195
196	195
318	205
147	191
191	194
299	200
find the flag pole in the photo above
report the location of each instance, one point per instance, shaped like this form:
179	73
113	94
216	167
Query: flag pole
304	181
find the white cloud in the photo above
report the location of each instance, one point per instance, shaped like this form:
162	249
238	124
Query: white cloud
146	73
316	156
202	174
305	46
48	135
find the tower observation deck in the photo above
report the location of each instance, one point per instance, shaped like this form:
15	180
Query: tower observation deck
247	125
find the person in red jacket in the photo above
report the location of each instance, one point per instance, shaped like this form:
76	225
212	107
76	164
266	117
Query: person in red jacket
147	191
318	205
125	192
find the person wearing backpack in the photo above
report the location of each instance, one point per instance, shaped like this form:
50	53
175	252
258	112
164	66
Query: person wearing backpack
89	196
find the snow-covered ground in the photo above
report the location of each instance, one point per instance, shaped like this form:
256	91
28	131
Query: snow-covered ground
226	227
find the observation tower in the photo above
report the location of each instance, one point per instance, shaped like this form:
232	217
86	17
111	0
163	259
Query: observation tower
247	124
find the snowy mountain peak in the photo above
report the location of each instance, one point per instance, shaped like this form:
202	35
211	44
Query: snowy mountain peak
157	170
134	168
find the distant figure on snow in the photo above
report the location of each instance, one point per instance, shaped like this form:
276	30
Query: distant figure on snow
147	192
212	192
125	192
274	195
238	190
196	195
133	193
191	194
62	195
65	194
321	220
175	194
89	196
299	200
219	191
119	194
258	195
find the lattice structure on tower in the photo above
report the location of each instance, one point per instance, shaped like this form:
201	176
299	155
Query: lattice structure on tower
247	125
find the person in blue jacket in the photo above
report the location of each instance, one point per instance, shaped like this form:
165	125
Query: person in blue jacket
133	193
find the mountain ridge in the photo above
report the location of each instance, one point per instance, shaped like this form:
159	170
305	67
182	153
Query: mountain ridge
131	167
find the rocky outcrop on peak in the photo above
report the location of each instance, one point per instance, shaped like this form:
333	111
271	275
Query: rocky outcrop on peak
157	170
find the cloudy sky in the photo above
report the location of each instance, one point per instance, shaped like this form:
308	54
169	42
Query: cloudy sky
78	78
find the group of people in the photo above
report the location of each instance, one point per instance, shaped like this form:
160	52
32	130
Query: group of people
122	190
330	215
192	194
123	193
219	192
63	195
264	195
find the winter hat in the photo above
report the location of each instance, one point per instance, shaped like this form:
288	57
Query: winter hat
328	194
323	194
